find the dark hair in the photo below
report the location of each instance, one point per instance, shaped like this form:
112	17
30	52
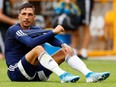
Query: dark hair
26	5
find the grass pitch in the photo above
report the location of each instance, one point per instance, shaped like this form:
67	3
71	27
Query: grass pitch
95	65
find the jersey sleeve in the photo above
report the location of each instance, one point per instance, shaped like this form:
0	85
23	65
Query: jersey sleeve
36	32
32	42
55	42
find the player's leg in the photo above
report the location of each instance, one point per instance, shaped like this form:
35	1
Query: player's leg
25	69
76	63
1	47
75	40
59	56
38	54
44	73
87	11
86	40
79	65
22	71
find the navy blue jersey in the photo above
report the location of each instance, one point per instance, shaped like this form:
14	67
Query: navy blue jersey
18	41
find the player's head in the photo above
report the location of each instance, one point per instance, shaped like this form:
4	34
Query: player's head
26	15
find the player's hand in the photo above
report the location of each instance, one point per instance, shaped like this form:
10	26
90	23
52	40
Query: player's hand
68	49
58	29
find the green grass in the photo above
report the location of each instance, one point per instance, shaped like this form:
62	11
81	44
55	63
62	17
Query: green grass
95	65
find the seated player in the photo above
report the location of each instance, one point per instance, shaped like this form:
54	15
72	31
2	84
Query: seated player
28	61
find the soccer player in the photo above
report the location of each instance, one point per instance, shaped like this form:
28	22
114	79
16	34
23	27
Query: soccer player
86	7
28	61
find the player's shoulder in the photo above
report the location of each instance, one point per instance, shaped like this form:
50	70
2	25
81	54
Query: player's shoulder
35	27
16	27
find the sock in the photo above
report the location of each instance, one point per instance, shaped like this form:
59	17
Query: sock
48	62
76	63
75	51
84	52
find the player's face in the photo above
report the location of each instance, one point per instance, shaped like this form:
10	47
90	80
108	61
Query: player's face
26	17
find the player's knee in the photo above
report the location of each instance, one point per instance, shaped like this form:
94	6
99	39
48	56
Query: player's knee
39	49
